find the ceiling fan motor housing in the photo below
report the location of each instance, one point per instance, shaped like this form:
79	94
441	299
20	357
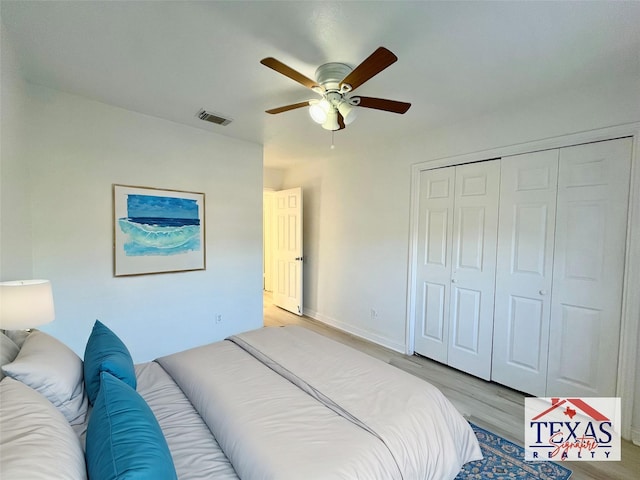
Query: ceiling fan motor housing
330	75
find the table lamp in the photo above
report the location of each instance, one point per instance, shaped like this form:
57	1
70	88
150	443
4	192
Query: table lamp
25	304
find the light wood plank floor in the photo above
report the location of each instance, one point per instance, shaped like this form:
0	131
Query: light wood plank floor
494	407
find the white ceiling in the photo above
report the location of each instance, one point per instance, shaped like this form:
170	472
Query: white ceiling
457	60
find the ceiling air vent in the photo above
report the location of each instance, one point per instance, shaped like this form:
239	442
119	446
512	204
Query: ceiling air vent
213	118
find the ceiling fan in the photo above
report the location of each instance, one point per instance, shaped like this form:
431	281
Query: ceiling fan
335	82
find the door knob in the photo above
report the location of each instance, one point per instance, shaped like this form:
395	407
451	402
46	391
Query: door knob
453	280
299	258
542	292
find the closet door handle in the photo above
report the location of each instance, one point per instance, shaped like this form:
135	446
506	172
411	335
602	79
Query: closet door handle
453	280
542	292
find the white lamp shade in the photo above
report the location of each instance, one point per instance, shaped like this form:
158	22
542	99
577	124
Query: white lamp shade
332	120
318	110
25	304
348	112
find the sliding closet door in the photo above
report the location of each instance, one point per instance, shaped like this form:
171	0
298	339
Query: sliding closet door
433	263
593	190
528	186
475	228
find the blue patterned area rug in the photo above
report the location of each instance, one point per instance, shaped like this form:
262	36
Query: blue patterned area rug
504	460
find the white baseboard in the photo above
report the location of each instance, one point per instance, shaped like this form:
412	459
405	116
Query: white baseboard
370	336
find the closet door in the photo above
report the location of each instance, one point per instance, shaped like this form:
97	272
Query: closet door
593	191
528	186
475	228
433	263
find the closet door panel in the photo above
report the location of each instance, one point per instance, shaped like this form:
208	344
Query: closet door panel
579	330
593	191
466	319
433	265
474	262
524	270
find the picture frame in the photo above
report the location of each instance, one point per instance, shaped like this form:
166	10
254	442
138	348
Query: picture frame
157	230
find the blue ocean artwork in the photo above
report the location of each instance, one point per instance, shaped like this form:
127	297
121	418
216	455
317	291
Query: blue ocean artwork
160	225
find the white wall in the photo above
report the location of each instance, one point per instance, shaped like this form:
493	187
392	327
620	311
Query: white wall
77	149
15	218
355	243
272	178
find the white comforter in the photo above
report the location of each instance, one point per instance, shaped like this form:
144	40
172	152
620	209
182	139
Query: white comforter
316	409
196	454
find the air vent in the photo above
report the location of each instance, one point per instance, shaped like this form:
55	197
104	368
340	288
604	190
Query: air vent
213	118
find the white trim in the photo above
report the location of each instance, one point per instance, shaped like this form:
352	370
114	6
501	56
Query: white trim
267	239
630	322
628	356
372	337
635	436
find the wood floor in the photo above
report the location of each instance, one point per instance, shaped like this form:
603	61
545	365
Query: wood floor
491	406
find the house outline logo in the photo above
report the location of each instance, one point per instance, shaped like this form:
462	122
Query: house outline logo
575	429
577	402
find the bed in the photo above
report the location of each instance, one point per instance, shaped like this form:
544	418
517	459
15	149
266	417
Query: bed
274	403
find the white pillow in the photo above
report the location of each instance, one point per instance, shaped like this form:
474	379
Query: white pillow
36	441
8	351
53	369
18	336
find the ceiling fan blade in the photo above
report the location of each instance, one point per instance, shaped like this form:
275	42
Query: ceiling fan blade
370	67
286	108
287	71
341	121
384	104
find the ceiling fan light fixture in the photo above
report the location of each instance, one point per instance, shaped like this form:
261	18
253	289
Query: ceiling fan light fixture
348	112
319	109
332	120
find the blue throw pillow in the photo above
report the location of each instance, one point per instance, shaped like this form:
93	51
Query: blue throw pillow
124	439
105	352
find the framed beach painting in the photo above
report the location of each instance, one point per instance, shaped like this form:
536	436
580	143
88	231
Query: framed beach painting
157	231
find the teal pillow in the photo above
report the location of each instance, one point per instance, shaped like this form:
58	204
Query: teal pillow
105	352
124	439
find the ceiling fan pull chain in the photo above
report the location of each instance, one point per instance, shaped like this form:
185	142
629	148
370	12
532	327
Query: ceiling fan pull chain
332	145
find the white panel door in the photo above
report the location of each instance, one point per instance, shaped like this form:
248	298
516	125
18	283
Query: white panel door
593	191
433	263
528	185
287	271
475	228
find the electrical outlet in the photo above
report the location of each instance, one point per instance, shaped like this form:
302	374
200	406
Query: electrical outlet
218	318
